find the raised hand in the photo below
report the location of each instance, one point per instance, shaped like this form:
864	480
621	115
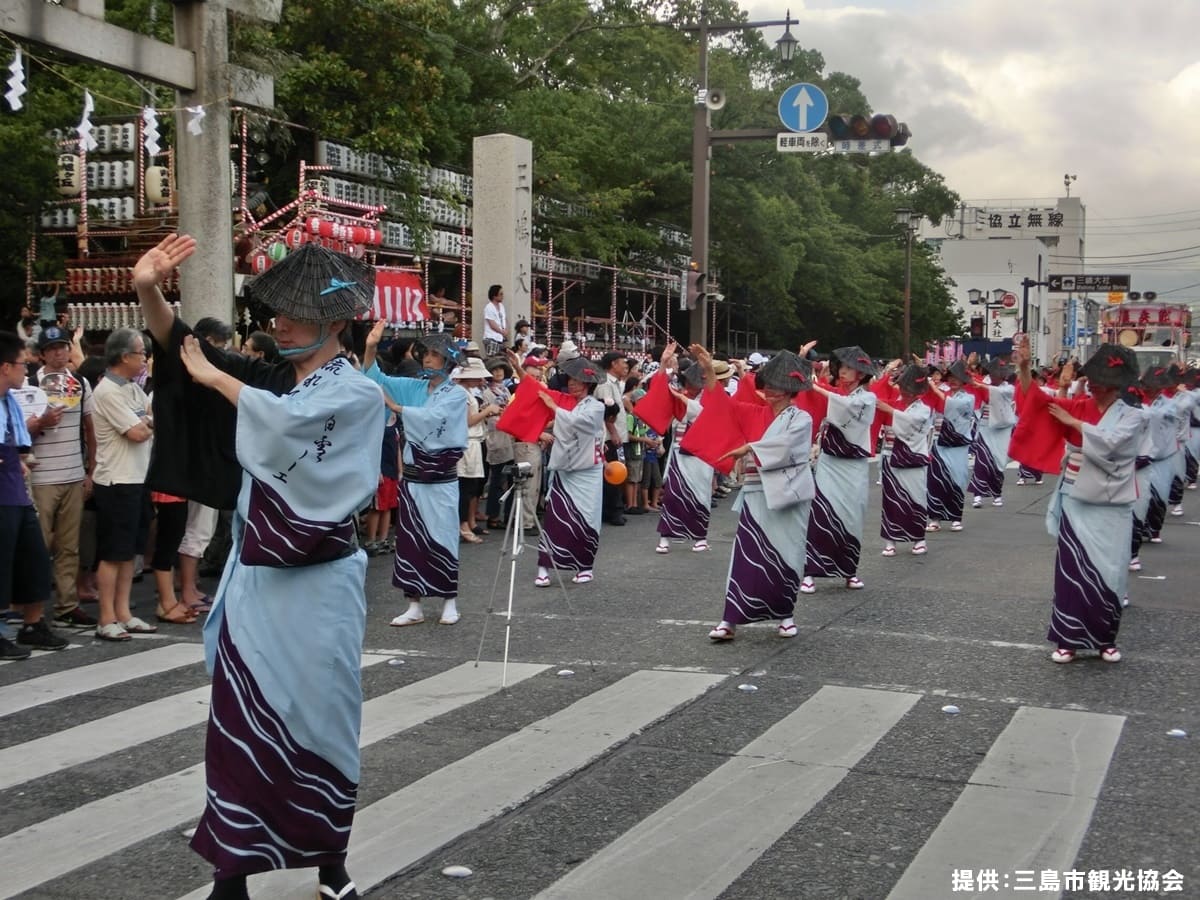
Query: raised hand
202	371
153	267
375	335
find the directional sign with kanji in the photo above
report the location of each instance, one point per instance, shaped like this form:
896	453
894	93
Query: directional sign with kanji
803	107
1083	283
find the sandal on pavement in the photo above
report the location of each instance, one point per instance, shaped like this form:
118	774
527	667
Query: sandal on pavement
888	551
1062	655
349	892
203	605
542	581
854	583
933	526
1110	654
699	546
662	548
808	586
956	526
721	633
470	538
919	548
451	619
583	577
113	632
136	626
177	614
406	619
495	523
787	631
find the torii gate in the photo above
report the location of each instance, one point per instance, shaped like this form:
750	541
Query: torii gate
198	67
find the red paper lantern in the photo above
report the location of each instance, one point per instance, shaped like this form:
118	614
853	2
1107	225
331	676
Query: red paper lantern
259	262
294	238
313	225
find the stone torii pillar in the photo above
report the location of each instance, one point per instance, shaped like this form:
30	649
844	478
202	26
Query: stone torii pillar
197	67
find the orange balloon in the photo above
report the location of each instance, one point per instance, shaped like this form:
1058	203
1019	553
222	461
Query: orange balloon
615	472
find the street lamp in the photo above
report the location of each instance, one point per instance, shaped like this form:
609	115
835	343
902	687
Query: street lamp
702	144
909	221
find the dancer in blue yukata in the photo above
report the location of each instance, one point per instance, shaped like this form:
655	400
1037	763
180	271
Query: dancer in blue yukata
284	639
768	561
433	409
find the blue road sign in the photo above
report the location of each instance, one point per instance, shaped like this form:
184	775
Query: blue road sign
803	107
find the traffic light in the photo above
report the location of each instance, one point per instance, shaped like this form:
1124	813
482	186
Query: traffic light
862	128
695	288
977	328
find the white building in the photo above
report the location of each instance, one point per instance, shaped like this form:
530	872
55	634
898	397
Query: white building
995	246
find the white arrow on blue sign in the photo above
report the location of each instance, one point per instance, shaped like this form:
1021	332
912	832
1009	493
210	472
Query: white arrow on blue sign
803	107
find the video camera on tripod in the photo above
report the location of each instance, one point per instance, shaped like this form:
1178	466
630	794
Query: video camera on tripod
520	471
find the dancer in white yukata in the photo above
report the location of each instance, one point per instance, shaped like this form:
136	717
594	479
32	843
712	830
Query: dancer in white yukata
768	561
434	412
997	418
949	470
284	638
843	476
688	484
908	434
574	499
1090	512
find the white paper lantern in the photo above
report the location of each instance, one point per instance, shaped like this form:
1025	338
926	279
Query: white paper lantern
158	184
68	175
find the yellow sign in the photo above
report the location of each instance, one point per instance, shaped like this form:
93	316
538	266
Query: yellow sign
1116	296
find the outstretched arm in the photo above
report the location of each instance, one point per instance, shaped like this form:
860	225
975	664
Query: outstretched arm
150	271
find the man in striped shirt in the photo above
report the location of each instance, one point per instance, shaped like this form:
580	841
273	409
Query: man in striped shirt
61	481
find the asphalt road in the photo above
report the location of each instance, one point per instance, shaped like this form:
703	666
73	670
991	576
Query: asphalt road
648	772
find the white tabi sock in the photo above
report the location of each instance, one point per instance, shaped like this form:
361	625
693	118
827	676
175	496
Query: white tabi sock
449	608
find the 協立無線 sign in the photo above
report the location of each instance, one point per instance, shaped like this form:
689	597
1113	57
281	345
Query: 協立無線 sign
803	107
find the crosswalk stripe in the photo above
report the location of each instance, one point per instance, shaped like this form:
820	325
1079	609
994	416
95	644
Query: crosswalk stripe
685	849
1027	805
33	692
111	734
34	654
404	827
58	845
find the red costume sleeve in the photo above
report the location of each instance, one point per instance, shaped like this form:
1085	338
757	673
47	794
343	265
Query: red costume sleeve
1039	439
717	429
747	391
814	403
526	416
659	406
935	399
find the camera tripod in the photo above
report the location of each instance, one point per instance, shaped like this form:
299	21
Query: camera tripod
513	545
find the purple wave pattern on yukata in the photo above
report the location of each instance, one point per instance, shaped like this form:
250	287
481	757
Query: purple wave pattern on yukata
567	541
683	515
761	584
830	551
276	536
271	804
421	567
948	436
1087	611
987	478
944	496
904	517
834	443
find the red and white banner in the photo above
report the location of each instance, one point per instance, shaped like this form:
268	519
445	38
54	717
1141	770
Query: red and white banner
399	297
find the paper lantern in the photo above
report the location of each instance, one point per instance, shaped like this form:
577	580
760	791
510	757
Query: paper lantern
259	262
277	251
313	225
158	184
69	175
294	238
615	472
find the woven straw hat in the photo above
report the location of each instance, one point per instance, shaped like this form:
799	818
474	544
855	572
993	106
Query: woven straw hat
857	359
786	372
1111	366
314	284
583	370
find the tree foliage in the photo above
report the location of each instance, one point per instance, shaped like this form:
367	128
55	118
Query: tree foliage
806	245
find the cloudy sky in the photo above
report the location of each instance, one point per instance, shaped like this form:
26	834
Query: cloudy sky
1004	97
